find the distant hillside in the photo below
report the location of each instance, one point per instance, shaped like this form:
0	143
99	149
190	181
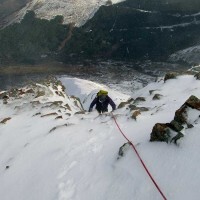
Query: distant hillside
131	30
136	30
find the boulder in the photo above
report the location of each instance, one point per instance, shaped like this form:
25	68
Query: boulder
140	99
3	94
160	132
181	114
135	114
59	117
157	97
151	91
123	149
197	76
164	132
141	109
132	107
193	102
5	120
124	103
5	99
170	75
174	125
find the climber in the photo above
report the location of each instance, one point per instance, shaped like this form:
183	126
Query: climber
102	100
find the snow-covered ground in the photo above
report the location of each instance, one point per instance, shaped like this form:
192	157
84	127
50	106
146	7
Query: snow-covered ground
75	157
73	11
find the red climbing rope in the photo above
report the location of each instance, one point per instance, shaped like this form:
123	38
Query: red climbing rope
151	177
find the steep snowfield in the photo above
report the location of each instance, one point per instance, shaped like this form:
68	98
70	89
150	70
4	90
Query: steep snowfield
79	160
73	11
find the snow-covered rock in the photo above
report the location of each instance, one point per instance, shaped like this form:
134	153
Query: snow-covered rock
185	117
73	11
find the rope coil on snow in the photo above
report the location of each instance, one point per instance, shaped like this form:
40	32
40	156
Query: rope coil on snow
143	164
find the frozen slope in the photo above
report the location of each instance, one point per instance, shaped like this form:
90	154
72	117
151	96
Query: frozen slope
79	161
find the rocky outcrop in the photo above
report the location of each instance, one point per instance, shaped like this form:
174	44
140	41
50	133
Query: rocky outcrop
157	97
181	114
130	104
123	104
123	149
160	132
49	114
80	112
165	132
170	75
5	99
140	99
47	98
134	107
5	120
60	126
135	114
197	76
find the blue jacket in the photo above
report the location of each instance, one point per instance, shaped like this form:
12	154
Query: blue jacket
104	105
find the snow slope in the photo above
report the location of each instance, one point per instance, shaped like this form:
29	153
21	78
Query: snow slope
73	11
79	160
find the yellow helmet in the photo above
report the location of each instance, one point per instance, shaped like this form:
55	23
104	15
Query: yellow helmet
102	92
